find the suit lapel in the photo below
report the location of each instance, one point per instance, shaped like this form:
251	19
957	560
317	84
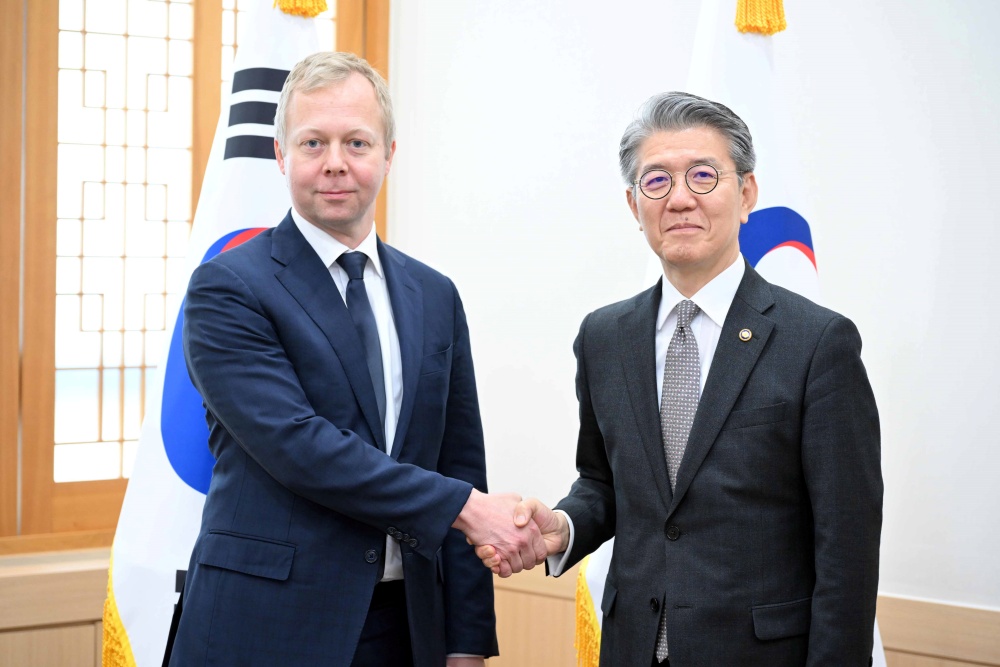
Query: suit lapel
638	358
407	302
310	284
731	367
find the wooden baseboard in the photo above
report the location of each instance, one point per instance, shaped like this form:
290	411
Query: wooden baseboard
54	542
535	614
54	589
939	631
915	633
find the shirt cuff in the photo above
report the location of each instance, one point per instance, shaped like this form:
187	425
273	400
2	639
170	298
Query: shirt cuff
465	655
557	562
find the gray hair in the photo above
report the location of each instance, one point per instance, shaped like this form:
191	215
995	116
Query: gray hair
327	68
669	112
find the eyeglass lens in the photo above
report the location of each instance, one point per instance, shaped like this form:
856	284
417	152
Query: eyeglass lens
657	183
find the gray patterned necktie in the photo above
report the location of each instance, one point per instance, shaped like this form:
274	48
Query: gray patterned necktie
681	392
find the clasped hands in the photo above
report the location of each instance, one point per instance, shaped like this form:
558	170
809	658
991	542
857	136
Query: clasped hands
511	534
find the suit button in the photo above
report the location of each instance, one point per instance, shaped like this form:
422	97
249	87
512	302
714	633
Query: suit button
404	537
673	532
413	542
392	531
371	556
654	605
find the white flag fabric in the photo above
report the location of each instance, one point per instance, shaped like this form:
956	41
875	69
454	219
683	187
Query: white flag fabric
243	193
737	70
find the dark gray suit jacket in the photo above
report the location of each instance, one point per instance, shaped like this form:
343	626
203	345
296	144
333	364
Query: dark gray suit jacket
766	552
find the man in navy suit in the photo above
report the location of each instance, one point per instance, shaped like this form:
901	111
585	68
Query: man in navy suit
341	401
729	438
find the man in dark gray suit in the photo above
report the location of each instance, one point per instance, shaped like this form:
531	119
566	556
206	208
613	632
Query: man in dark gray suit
729	438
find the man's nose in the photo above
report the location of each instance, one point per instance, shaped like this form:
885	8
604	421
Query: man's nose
681	198
334	161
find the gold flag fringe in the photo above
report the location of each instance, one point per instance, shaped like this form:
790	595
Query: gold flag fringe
761	16
116	651
588	630
306	8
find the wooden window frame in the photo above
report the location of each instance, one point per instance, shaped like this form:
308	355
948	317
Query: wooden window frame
37	514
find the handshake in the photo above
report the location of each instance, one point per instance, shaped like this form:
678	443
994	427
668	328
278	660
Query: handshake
511	534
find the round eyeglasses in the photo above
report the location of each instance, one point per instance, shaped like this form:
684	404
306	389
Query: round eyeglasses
657	183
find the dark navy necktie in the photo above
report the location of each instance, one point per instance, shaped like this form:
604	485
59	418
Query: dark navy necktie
364	320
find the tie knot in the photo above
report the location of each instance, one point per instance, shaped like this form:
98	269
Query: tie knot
354	264
686	310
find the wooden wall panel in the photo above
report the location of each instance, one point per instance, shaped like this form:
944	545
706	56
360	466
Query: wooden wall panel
350	25
87	506
38	365
939	630
534	630
535	617
11	81
536	620
33	544
52	589
377	35
363	29
71	646
377	53
206	97
898	659
98	641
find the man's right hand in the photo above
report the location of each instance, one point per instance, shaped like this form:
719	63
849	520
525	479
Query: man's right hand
488	520
553	526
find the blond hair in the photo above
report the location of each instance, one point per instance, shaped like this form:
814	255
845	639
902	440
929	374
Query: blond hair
323	69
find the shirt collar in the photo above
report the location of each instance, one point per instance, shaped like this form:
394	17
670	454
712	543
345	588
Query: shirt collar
714	299
330	249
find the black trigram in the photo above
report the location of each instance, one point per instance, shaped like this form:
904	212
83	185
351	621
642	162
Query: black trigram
261	113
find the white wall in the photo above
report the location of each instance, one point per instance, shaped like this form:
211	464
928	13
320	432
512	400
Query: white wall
505	178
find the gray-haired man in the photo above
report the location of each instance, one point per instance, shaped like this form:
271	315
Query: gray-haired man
729	438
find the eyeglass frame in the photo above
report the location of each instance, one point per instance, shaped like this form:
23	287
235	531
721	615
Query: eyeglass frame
718	177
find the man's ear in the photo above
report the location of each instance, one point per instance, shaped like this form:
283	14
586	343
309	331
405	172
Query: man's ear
388	159
748	196
633	204
279	157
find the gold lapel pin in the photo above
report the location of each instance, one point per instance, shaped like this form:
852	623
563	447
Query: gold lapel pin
746	335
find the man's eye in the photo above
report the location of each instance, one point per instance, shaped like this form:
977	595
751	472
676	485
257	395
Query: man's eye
311	143
656	180
358	143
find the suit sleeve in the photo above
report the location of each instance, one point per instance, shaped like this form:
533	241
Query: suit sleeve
842	468
249	385
468	586
591	501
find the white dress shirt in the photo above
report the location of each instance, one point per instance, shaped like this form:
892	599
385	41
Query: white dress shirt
329	250
714	300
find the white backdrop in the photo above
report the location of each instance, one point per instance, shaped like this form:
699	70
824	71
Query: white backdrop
505	178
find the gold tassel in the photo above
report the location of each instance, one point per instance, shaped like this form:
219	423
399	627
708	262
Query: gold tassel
761	16
306	8
588	631
116	651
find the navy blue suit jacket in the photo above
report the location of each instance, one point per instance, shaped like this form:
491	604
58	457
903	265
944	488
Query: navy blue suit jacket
302	493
